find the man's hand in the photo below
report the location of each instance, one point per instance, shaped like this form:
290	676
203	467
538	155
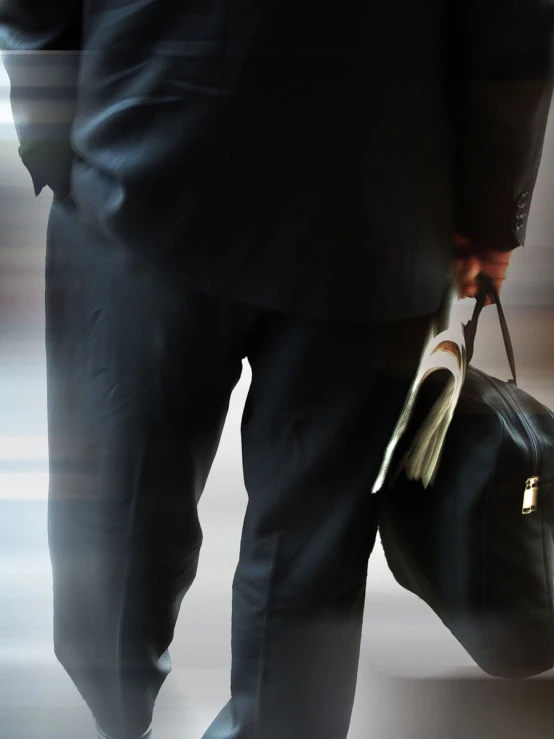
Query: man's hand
471	262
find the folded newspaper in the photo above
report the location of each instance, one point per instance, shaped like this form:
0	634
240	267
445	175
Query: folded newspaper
444	351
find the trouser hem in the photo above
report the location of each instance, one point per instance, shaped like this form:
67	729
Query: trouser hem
102	735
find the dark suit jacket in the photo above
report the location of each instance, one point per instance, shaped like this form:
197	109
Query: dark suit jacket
308	156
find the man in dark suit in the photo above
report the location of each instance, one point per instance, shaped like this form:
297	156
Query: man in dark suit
278	181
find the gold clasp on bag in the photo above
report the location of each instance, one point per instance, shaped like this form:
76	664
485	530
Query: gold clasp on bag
530	495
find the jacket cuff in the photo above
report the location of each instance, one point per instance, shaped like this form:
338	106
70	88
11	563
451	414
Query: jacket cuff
501	227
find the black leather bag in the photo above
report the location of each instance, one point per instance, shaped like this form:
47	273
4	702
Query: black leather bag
477	546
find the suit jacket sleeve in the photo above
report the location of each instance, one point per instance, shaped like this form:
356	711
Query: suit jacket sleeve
503	94
40	41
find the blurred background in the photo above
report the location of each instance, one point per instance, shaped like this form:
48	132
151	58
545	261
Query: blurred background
416	682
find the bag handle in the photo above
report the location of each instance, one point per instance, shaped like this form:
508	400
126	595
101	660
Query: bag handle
487	289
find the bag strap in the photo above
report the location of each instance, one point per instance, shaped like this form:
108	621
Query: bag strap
487	289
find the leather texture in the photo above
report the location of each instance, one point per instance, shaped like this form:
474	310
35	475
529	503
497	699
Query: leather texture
285	154
464	545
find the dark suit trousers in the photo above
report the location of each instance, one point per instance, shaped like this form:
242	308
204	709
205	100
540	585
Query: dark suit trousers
140	371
